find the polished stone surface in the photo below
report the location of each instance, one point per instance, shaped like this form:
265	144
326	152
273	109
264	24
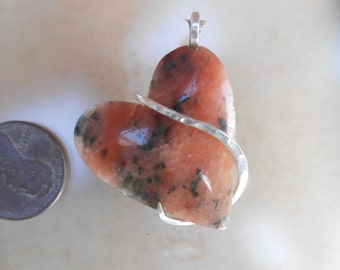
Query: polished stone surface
156	160
59	57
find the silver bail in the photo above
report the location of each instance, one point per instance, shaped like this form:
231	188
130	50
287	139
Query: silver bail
195	27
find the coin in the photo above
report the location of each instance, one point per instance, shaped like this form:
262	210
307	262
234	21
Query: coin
33	169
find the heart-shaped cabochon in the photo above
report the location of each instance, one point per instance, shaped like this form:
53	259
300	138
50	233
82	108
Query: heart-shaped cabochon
158	161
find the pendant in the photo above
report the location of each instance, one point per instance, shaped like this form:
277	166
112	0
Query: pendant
174	150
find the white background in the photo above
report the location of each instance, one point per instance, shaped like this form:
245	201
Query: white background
57	58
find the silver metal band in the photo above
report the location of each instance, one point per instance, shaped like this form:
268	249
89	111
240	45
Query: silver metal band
236	151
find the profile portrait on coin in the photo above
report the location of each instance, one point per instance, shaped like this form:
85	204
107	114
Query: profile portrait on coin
25	176
33	169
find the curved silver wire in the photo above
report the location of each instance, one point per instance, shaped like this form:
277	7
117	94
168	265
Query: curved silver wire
233	147
169	220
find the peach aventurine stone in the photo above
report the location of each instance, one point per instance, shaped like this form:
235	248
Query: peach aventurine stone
155	159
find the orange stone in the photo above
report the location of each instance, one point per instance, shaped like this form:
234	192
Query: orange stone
155	159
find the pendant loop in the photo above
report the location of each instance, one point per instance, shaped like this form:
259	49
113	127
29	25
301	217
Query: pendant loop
195	27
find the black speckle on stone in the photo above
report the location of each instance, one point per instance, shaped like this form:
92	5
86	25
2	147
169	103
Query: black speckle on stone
92	140
194	184
149	180
151	199
217	222
77	131
145	196
135	159
148	146
136	124
95	116
88	140
159	166
127	180
154	200
177	108
103	153
160	132
137	187
81	125
184	57
223	123
172	189
184	186
169	65
216	202
140	170
157	178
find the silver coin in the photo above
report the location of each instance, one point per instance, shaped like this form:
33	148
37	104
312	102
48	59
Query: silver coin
33	169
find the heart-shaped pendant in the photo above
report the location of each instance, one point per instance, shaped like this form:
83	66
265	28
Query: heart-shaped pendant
176	153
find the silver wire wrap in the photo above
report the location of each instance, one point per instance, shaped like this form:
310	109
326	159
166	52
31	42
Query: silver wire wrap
233	147
195	26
